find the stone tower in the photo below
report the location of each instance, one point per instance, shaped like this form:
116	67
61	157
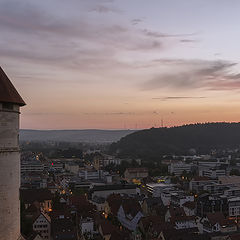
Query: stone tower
10	103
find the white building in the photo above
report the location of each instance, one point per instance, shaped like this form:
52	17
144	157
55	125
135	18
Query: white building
72	167
178	168
31	166
42	225
86	226
157	188
179	198
212	173
166	197
234	207
179	219
213	164
232	192
92	174
10	103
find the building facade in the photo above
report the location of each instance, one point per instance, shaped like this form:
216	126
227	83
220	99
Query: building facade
42	225
10	103
135	173
178	168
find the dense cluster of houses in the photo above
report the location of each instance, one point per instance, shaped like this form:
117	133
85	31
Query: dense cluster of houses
71	200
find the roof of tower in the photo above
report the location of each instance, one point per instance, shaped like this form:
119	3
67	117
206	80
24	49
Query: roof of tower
8	92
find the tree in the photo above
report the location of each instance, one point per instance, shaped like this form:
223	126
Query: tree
235	172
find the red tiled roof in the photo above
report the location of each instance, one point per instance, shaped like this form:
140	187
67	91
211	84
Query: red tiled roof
83	206
78	200
151	220
119	235
33	208
216	217
55	214
190	205
176	211
8	92
114	202
201	178
178	215
235	236
107	227
32	195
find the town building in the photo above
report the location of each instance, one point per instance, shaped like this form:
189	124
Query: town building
207	203
151	205
234	207
42	225
42	196
229	180
156	189
213	163
87	226
190	208
31	166
197	183
179	198
106	190
213	173
178	168
216	222
135	173
72	167
232	191
63	226
179	219
92	174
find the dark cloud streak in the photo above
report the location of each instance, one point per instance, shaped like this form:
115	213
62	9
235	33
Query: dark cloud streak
150	33
195	74
176	98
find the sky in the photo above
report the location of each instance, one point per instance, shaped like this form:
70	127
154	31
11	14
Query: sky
122	64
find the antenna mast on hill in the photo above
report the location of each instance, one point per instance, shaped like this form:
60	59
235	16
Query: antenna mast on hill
162	123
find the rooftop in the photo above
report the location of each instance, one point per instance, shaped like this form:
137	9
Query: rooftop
8	93
135	170
113	187
159	185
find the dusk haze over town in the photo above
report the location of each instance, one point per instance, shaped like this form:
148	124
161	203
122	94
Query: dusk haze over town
120	120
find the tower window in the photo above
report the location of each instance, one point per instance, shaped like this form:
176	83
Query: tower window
8	106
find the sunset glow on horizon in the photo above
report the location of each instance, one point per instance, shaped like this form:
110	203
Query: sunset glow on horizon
118	64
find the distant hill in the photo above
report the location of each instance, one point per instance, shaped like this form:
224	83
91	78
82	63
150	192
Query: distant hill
154	142
90	136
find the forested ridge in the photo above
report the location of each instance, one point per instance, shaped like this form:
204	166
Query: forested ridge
154	142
